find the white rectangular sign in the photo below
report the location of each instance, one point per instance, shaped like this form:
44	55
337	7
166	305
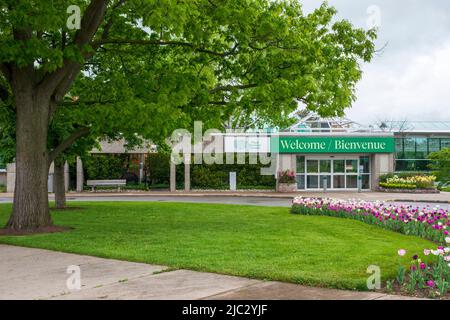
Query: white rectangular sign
247	144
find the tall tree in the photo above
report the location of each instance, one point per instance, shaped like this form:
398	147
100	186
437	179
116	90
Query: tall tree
162	63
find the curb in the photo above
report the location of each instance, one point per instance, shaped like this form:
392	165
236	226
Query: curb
229	195
420	201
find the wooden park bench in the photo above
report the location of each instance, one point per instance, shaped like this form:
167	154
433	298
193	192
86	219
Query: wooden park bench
107	183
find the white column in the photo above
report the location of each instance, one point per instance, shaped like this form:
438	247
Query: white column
173	177
10	177
66	176
51	173
187	173
80	176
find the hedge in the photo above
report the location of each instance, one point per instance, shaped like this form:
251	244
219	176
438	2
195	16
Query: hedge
106	166
215	176
157	172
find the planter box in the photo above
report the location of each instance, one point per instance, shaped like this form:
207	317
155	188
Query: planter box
287	187
414	191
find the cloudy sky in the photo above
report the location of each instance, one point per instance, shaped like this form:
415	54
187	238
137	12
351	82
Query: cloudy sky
410	80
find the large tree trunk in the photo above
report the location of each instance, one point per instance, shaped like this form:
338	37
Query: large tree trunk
59	185
30	208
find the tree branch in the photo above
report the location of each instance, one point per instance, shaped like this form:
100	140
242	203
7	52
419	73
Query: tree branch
82	132
109	23
60	80
232	87
164	43
77	103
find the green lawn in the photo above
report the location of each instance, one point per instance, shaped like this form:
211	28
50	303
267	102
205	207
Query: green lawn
256	242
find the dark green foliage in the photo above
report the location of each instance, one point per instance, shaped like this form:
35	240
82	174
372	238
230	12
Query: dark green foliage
157	168
205	176
441	165
98	167
398	186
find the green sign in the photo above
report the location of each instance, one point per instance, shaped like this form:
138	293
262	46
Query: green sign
307	144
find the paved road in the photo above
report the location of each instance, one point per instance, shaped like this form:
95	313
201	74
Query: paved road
27	273
256	201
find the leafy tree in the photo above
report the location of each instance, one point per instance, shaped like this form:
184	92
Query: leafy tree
441	165
148	66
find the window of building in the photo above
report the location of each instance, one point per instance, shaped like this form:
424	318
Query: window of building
421	148
434	144
409	148
399	150
445	143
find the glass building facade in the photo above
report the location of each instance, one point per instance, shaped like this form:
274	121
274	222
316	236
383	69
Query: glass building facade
412	151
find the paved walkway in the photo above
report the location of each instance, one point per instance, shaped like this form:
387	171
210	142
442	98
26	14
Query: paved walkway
443	197
27	273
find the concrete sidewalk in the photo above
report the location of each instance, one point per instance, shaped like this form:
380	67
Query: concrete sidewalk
443	197
27	273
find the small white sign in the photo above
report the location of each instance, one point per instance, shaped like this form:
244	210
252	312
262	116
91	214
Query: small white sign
233	181
247	144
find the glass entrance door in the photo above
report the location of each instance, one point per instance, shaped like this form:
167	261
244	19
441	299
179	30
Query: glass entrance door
316	174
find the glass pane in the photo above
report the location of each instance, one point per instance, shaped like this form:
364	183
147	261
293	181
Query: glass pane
339	166
365	183
339	182
313	166
301	182
434	144
325	166
422	165
328	181
352	182
399	148
364	162
405	165
313	182
351	166
300	164
421	148
445	143
410	148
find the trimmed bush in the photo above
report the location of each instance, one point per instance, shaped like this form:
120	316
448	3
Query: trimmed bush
101	167
410	182
398	186
215	176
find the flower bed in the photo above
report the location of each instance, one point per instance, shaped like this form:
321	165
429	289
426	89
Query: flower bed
423	184
421	279
429	223
424	278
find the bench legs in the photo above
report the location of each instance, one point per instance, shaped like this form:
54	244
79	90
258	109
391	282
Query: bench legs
119	189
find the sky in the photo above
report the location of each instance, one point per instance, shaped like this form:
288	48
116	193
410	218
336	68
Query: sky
410	78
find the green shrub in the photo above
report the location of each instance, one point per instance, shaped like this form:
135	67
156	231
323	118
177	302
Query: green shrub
204	176
2	188
402	175
398	186
441	165
157	169
100	167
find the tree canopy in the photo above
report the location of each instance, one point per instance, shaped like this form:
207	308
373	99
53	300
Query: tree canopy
141	68
156	65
